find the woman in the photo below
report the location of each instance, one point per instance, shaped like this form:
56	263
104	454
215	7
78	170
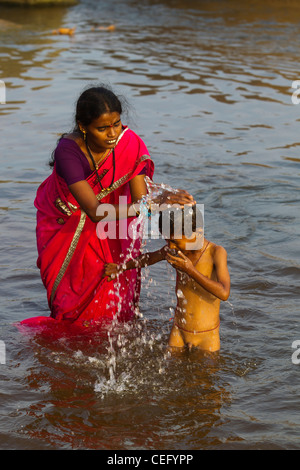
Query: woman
101	161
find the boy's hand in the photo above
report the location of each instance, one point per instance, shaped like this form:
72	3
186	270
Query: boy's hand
179	261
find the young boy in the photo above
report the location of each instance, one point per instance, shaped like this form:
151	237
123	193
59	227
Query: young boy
202	282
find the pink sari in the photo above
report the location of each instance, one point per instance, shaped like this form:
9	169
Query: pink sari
72	254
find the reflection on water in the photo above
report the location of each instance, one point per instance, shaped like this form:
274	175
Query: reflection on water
144	392
210	86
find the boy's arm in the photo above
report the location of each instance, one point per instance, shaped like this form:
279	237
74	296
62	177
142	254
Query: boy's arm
141	261
221	287
222	273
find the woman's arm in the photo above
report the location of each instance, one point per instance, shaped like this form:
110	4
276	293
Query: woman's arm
88	202
146	259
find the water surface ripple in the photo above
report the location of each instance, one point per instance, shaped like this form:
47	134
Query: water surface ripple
209	86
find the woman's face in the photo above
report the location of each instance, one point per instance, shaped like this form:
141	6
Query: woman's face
103	132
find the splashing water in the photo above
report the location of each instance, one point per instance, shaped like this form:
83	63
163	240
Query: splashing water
157	189
118	342
136	360
154	191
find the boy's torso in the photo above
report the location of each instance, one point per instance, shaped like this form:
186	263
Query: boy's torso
197	309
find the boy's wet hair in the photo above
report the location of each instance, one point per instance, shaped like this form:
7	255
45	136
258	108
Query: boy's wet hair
180	221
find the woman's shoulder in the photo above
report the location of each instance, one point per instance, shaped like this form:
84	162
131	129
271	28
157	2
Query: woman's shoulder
70	161
69	142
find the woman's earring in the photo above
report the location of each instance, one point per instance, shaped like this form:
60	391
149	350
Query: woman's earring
84	133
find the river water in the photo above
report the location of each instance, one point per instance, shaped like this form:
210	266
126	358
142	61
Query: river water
210	91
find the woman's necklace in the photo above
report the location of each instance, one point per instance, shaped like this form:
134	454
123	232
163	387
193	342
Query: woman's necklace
101	159
96	165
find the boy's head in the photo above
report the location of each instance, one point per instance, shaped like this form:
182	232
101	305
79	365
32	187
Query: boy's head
185	226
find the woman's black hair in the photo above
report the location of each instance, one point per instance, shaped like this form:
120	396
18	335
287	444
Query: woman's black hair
91	104
94	102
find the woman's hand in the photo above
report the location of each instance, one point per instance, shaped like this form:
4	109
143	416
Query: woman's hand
180	196
111	270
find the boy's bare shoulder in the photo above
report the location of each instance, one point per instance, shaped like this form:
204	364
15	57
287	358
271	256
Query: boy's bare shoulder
218	250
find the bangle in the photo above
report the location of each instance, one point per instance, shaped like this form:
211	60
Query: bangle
137	212
146	207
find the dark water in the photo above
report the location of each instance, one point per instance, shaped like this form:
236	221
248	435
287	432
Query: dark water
210	87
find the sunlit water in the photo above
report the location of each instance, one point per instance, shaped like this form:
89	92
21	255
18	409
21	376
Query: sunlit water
209	88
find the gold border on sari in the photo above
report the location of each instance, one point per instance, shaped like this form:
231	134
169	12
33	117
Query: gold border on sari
69	255
81	223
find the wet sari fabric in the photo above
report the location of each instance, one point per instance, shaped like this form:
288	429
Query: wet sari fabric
73	250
